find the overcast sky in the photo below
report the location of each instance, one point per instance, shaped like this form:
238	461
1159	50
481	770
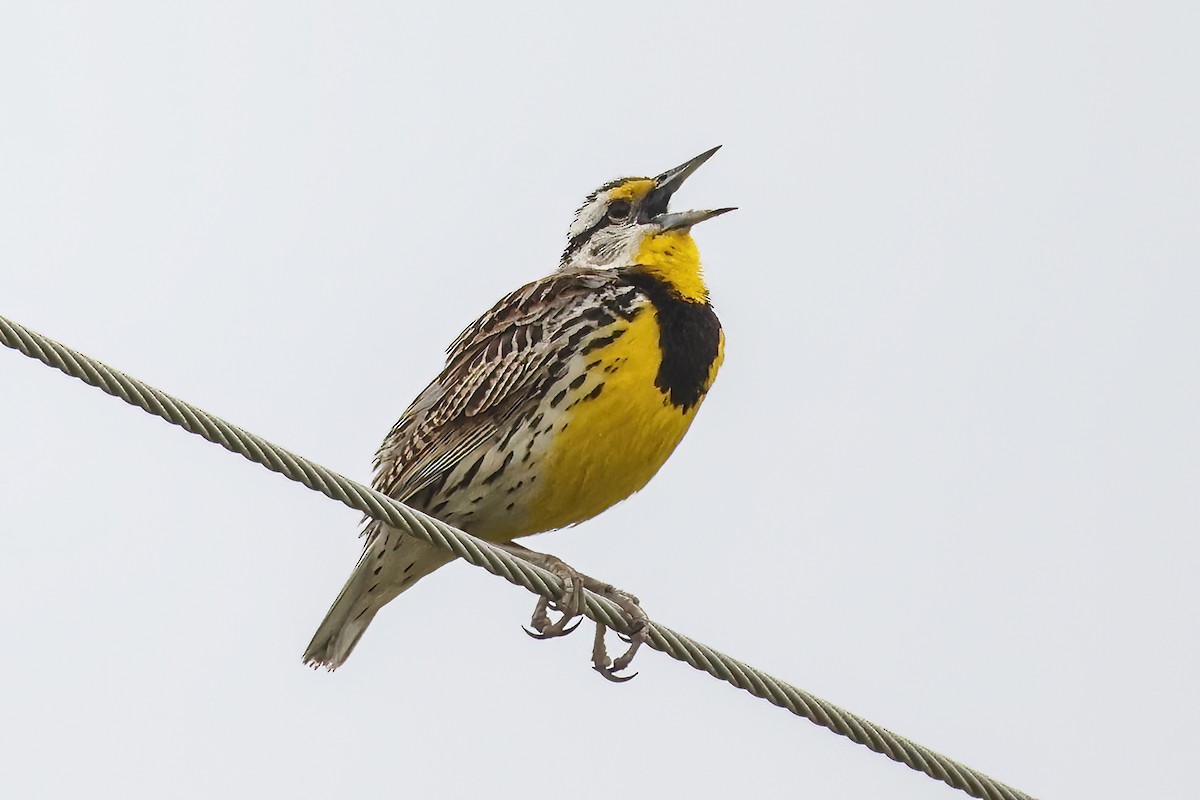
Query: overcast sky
948	477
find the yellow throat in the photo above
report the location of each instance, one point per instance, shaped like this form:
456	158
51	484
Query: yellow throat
673	258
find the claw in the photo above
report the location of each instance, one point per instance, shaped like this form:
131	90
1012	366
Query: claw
608	675
600	661
552	631
609	669
536	634
543	628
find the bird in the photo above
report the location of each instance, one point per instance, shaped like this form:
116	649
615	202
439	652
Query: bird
562	400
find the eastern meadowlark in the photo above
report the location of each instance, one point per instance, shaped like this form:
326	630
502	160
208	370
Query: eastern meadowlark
562	400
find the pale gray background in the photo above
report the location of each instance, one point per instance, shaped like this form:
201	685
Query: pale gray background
948	477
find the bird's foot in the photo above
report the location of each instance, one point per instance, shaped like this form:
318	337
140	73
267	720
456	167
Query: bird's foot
639	633
570	606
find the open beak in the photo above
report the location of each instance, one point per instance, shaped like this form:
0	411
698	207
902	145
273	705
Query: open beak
665	185
686	219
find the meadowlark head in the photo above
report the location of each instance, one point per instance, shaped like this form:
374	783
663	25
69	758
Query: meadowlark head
618	221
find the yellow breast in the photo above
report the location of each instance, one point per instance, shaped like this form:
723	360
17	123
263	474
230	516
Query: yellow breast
618	433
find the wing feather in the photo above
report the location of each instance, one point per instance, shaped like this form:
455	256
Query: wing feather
493	369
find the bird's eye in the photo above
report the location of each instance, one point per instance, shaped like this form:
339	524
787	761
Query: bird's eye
619	211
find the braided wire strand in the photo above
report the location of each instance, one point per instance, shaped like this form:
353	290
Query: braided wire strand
499	562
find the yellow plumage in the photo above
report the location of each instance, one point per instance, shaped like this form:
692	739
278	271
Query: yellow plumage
609	447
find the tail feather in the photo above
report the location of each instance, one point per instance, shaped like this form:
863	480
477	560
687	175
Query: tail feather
391	563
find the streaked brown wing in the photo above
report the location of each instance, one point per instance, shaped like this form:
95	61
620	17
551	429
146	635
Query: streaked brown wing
496	366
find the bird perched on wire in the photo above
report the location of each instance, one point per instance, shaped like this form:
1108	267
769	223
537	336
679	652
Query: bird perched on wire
562	400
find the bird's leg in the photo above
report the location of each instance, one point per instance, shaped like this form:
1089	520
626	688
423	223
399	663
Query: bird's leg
571	606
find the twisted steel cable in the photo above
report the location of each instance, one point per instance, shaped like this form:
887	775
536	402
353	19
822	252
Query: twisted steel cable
497	561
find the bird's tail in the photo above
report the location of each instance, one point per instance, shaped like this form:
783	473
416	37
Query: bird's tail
392	562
